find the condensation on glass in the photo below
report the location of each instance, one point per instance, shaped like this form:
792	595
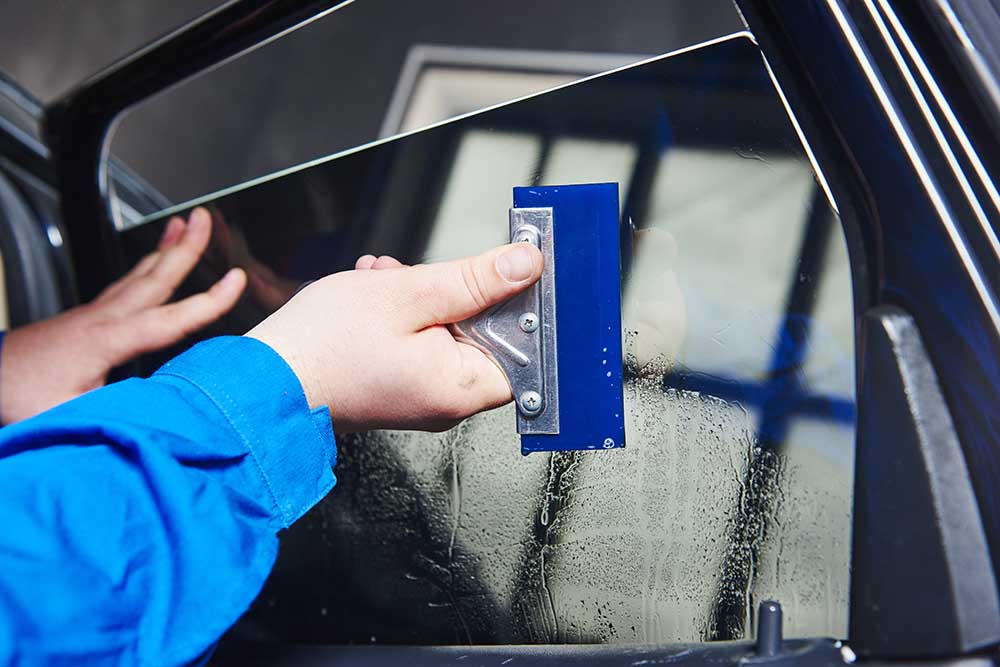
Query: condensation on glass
735	484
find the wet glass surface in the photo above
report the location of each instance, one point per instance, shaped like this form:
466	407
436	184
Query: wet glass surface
736	482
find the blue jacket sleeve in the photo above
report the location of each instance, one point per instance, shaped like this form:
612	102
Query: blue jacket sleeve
139	521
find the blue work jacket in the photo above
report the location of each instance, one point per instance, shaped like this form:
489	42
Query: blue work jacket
140	520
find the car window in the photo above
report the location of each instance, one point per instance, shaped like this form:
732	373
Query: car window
735	483
377	67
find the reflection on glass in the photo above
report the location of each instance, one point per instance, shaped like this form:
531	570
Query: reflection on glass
736	482
583	160
369	70
460	222
735	224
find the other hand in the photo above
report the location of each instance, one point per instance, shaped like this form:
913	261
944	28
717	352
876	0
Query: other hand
52	361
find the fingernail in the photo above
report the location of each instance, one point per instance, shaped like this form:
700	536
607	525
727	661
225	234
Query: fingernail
199	216
517	263
172	232
232	278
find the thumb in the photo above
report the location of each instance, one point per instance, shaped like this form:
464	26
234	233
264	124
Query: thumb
453	291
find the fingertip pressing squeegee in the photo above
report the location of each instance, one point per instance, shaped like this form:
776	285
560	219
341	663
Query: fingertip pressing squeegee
560	342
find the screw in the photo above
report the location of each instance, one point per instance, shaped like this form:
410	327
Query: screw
527	235
530	403
528	322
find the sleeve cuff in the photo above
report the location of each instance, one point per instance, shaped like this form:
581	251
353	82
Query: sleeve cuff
263	401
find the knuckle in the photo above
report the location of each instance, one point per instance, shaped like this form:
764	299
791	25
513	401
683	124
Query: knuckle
474	283
421	294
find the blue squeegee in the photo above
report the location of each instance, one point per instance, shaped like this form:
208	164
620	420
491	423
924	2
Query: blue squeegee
560	343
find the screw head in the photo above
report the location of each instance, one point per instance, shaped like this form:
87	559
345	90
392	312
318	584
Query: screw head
528	322
527	235
530	403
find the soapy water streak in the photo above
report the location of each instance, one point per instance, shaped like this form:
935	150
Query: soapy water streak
456	538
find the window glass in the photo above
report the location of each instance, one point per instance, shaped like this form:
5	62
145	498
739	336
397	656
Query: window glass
735	484
584	160
456	228
713	208
378	67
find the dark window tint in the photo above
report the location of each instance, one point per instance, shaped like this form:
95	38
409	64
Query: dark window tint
333	84
736	482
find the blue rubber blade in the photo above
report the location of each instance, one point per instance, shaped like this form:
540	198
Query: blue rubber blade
586	234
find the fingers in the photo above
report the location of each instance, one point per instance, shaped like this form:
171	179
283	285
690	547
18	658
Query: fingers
178	259
115	289
387	262
143	266
453	291
170	323
366	262
173	264
493	388
173	231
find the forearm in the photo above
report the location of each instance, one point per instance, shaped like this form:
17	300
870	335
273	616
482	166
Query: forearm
141	519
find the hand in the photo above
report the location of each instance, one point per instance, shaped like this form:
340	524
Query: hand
372	345
49	362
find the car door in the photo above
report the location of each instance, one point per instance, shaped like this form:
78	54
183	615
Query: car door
809	283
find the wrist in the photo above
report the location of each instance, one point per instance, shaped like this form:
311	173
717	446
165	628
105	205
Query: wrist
262	402
311	386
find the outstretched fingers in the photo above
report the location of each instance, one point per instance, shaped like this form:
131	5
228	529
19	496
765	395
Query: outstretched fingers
173	263
167	324
173	231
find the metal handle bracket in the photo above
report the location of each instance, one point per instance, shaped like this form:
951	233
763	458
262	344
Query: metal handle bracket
520	333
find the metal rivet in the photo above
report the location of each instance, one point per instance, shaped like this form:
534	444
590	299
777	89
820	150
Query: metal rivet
527	235
528	322
530	402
